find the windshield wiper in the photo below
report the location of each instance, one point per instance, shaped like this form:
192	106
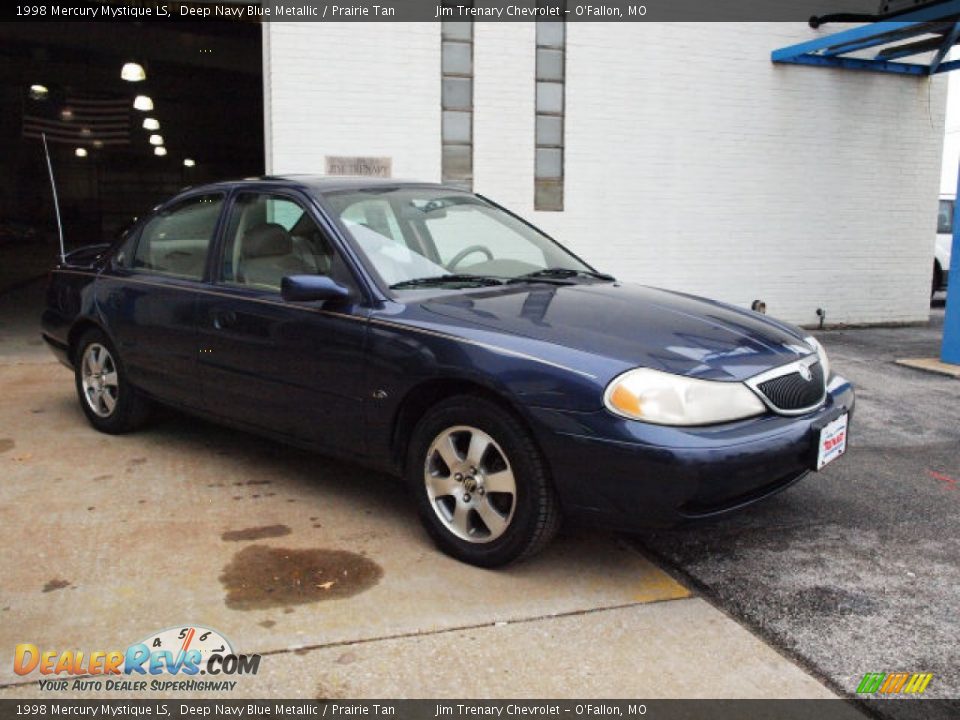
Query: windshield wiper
562	274
454	278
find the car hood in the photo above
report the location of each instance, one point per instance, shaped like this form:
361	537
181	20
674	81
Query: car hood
636	325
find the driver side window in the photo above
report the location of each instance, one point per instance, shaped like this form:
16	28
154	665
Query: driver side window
270	237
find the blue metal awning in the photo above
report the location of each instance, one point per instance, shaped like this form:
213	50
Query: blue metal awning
924	36
880	46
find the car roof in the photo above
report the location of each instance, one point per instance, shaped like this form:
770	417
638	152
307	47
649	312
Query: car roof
320	184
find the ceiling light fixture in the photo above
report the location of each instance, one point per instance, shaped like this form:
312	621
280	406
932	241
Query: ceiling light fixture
151	124
133	72
80	152
189	162
156	139
160	150
39	92
143	103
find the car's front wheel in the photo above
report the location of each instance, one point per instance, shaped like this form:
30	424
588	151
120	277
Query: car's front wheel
110	402
482	487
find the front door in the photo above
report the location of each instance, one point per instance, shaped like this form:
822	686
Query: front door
291	368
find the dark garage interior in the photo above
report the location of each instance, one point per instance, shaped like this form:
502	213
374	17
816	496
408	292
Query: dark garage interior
204	82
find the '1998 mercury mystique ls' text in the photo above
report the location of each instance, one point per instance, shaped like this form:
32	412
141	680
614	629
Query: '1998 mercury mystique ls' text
428	332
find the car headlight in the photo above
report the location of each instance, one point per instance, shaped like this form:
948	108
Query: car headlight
821	354
665	399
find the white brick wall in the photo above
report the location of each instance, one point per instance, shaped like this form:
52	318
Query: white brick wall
951	140
353	89
692	162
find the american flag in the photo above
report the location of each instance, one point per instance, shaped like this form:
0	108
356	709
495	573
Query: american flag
78	119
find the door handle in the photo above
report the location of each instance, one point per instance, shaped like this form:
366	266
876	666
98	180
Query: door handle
224	319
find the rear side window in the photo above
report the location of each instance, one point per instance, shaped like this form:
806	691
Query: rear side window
175	241
945	217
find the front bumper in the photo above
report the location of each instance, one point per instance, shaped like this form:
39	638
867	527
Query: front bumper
628	475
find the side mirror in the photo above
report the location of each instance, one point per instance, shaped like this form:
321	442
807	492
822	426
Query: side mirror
311	288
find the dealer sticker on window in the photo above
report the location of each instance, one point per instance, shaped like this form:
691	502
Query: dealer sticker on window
833	441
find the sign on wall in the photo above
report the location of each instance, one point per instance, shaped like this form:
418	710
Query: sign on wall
367	166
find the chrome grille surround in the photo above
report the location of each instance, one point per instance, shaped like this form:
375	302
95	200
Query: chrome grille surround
768	381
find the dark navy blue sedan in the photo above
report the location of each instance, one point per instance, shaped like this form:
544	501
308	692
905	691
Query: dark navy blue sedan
428	332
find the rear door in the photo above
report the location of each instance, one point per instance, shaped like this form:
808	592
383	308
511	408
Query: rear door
290	368
148	297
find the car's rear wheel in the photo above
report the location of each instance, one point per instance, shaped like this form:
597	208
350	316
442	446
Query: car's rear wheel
937	278
481	485
108	400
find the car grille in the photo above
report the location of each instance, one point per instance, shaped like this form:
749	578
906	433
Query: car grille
792	392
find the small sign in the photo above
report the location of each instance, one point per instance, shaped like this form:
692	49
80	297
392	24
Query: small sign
833	441
366	166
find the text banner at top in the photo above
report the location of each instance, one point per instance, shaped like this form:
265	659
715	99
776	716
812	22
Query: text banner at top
449	11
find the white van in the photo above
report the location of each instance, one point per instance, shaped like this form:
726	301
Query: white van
941	253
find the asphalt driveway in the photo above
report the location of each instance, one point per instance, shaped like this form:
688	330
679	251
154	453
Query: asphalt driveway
855	569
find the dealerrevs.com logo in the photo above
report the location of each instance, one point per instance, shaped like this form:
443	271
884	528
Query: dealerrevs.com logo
894	683
182	653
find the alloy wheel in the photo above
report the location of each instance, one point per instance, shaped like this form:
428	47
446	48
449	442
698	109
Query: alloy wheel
470	484
101	388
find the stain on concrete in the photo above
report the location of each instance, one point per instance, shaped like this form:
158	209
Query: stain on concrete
291	499
238	497
36	411
287	610
100	478
256	533
347	658
260	577
55	584
6	444
259	482
136	461
92	507
267	624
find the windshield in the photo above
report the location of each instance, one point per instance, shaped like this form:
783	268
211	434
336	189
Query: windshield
410	235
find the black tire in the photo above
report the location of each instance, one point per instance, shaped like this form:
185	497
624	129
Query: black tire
535	516
937	278
130	408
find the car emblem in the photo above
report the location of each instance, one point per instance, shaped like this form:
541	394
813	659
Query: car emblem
805	373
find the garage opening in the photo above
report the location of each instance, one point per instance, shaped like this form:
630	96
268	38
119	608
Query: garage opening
132	113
